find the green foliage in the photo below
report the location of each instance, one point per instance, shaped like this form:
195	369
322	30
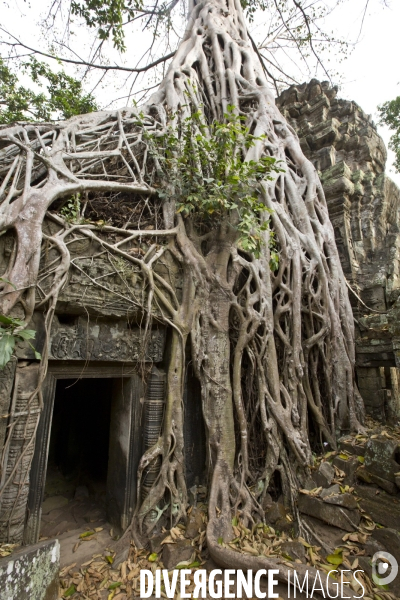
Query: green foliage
12	331
390	116
72	210
63	96
108	16
211	179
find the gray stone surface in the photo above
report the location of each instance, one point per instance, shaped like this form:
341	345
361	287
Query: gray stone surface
294	550
155	543
32	573
6	384
310	484
346	500
350	445
364	205
372	546
195	524
349	467
390	539
275	513
343	144
329	513
388	486
334	489
98	339
382	508
173	554
380	460
324	475
53	503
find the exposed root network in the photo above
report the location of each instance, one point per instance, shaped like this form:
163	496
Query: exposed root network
273	351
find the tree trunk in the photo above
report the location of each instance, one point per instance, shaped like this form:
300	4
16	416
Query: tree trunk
273	350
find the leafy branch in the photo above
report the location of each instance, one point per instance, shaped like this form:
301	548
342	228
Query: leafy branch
390	116
12	330
64	96
211	179
72	210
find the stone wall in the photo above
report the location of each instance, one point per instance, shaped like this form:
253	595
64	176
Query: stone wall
98	331
364	206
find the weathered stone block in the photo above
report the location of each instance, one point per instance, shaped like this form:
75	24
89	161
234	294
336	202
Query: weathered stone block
283	524
334	489
381	464
349	467
32	573
310	484
383	509
388	486
363	475
329	513
343	144
346	500
105	340
195	523
294	550
324	475
155	543
372	546
348	446
390	539
276	512
173	554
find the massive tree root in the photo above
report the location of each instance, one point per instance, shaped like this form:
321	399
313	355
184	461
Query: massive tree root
273	351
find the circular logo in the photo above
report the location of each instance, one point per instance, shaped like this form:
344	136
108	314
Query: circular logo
384	568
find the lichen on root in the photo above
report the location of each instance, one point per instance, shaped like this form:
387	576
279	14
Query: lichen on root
273	351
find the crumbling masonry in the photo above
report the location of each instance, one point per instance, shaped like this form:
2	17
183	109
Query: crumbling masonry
364	204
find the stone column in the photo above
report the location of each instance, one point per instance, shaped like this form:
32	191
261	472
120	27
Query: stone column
372	387
6	385
18	453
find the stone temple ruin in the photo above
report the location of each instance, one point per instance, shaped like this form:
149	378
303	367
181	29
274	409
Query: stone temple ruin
97	419
364	204
104	390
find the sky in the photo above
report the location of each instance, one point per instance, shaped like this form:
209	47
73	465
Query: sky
370	75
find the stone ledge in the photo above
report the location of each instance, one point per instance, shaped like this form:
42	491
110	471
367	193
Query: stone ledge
31	573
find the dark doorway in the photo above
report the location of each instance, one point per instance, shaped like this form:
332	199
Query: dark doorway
80	432
76	479
87	450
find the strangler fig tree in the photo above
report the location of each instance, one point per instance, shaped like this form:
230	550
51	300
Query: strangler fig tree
263	307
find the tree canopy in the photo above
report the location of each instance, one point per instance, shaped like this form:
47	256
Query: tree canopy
93	39
60	96
390	116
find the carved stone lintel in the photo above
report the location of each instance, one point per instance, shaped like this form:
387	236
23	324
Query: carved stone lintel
97	340
105	341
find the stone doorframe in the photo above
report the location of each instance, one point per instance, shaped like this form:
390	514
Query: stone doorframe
125	442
